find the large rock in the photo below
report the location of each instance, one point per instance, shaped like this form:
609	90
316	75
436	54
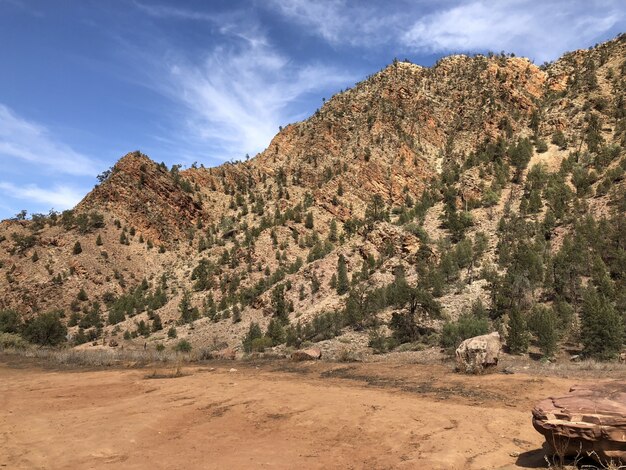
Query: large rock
588	420
476	354
306	354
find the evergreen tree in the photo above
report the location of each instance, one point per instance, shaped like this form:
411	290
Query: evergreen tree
279	305
254	332
276	332
602	329
343	284
517	338
544	325
187	313
157	324
308	221
77	250
332	234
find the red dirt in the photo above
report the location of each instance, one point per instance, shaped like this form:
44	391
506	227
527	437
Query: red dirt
272	415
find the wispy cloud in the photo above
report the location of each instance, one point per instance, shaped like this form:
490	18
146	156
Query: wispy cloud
540	30
59	196
340	22
166	11
236	97
32	143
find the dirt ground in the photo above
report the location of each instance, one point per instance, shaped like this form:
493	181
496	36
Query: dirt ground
269	415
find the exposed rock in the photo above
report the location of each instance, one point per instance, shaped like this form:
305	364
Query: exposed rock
113	343
588	420
311	354
478	353
227	353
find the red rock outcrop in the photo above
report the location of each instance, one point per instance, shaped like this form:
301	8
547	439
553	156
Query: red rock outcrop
586	421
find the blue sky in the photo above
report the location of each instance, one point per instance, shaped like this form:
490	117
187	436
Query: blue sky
85	81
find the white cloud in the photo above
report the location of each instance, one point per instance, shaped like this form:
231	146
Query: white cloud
31	143
340	22
164	11
59	196
239	94
540	30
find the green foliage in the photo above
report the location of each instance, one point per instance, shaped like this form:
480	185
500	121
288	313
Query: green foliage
343	284
254	333
183	346
188	313
558	139
172	333
543	324
275	332
45	329
12	341
518	337
279	305
82	295
10	321
468	325
77	250
602	329
308	221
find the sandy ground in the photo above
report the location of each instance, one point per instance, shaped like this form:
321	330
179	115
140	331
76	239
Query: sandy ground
269	415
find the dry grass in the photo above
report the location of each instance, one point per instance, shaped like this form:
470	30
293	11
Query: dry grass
105	357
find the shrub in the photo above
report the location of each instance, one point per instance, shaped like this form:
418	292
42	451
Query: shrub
172	333
260	344
10	321
77	250
12	341
467	326
45	329
183	346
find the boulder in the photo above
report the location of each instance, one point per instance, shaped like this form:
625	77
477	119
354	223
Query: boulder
589	420
476	354
310	354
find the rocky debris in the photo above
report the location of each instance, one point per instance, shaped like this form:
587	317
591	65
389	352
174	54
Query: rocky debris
227	353
311	354
589	420
476	354
113	343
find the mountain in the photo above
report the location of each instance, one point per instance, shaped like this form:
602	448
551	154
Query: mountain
422	204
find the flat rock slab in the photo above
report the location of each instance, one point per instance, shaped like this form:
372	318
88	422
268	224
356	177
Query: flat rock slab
588	420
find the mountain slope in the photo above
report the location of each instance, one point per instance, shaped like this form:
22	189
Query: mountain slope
420	190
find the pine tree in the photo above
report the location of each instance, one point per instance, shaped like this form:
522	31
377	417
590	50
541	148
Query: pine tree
602	331
332	234
343	284
99	240
275	332
517	338
279	304
77	250
308	221
187	313
544	326
254	332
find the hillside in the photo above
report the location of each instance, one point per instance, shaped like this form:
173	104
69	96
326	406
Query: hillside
483	188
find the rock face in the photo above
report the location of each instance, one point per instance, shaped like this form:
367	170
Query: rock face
476	354
586	420
311	354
